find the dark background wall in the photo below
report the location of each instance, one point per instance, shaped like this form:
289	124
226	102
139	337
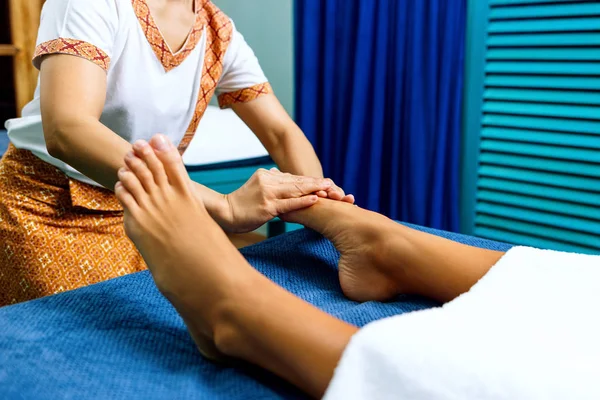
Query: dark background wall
7	97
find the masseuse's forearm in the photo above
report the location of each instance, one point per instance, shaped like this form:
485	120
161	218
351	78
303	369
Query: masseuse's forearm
90	147
283	139
293	153
97	152
285	335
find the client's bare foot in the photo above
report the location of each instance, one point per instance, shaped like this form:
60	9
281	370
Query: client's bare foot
172	230
361	238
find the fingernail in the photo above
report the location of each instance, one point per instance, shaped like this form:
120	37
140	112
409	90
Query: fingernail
140	144
161	143
314	198
327	183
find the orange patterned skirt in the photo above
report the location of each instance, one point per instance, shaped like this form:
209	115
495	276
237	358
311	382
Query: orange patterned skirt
56	233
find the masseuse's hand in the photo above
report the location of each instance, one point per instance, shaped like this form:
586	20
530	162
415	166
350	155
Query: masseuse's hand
336	193
268	194
333	192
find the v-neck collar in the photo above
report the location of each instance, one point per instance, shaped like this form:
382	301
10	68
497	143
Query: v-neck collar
165	55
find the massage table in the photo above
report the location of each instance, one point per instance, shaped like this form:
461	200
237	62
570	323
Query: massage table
121	339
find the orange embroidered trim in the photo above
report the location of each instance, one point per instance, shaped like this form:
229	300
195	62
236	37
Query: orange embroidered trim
167	58
74	47
218	36
244	95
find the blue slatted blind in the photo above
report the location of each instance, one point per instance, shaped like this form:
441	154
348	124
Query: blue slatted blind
539	171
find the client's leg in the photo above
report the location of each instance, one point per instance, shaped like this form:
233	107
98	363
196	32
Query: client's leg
381	258
219	295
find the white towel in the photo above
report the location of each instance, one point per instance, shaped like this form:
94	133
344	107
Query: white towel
530	329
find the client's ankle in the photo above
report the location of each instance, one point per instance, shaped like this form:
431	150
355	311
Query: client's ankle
384	239
234	330
228	325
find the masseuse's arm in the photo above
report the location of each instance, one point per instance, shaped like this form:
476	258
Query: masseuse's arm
73	92
284	140
280	135
243	86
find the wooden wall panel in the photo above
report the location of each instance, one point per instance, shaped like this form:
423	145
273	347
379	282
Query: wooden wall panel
24	23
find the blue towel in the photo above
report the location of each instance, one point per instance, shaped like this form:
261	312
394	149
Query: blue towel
121	339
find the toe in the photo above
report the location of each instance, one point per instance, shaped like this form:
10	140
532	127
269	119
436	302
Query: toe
171	159
131	184
143	151
141	171
125	198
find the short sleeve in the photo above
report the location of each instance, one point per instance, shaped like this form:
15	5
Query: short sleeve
82	28
243	79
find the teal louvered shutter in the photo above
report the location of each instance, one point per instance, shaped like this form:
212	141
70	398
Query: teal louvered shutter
538	176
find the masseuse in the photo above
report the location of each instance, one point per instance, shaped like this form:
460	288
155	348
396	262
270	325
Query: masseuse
113	72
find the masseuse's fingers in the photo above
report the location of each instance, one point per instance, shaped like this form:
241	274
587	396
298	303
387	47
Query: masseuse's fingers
141	171
133	185
288	205
326	187
335	192
123	195
288	186
146	153
167	153
349	198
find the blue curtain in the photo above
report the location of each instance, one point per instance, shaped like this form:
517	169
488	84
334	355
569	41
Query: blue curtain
379	94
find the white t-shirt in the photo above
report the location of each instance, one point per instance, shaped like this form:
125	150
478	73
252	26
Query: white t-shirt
150	89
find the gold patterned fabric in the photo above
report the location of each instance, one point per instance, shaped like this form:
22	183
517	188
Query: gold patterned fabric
167	58
219	31
226	100
73	47
56	234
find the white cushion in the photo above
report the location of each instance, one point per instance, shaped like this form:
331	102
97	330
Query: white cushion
222	137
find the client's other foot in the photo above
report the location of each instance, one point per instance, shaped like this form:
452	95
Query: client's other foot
172	230
224	302
361	237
